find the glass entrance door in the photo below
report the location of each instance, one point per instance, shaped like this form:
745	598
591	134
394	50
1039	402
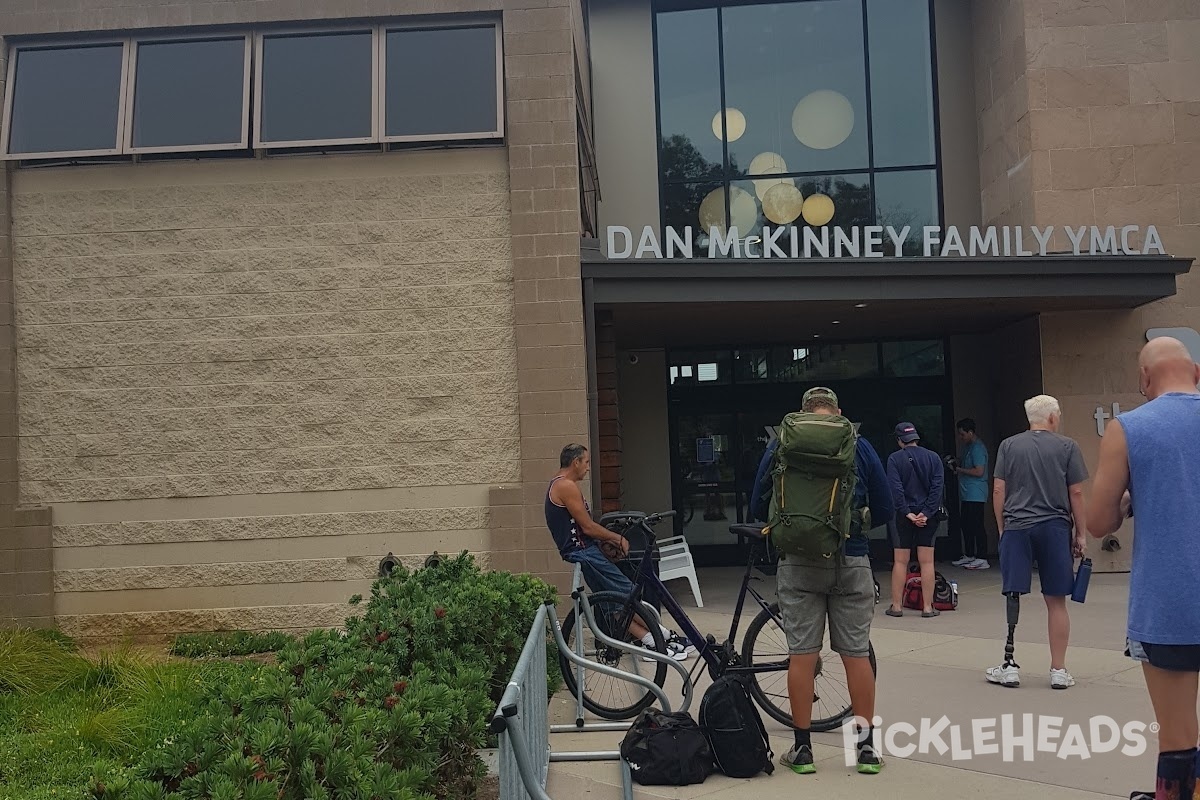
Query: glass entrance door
725	407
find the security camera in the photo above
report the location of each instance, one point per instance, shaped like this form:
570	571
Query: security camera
633	358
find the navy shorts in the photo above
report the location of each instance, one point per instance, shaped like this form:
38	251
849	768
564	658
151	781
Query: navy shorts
1173	657
600	574
1049	543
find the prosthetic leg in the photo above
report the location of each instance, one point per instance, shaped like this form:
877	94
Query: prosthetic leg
1014	614
1006	674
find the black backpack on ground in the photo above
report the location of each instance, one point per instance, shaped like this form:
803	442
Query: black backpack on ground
667	750
735	729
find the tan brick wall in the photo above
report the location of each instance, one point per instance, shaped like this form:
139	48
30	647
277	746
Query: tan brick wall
320	351
26	570
1003	98
1114	120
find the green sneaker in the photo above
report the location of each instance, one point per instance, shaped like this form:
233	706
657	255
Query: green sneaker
799	760
869	761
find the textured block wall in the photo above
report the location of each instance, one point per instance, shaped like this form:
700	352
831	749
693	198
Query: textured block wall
243	383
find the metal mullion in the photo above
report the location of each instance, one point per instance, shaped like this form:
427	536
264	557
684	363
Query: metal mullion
866	34
726	181
935	100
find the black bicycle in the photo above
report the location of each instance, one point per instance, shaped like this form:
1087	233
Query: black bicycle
763	656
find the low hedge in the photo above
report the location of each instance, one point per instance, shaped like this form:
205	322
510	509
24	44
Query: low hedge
392	708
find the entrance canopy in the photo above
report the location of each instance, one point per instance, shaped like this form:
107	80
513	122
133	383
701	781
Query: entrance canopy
672	301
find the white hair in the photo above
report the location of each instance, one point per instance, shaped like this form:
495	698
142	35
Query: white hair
1039	409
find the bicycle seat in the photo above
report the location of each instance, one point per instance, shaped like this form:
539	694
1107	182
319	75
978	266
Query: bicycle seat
754	532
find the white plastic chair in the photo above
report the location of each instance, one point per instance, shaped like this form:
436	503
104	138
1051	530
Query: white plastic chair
676	562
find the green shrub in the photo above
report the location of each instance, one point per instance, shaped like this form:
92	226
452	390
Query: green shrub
33	663
393	707
232	643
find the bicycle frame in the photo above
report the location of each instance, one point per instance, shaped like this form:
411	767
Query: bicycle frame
707	645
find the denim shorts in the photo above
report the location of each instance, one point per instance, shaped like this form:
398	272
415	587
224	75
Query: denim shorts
600	574
1174	657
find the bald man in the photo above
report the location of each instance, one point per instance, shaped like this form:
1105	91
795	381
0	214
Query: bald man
1150	460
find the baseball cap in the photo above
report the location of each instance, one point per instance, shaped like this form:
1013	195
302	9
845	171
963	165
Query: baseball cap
822	393
907	432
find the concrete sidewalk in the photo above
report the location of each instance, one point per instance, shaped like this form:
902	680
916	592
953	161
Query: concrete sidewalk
930	668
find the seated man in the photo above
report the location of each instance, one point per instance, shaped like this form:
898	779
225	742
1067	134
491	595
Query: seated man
578	538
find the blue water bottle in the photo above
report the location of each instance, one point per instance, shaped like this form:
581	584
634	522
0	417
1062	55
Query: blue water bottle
1081	580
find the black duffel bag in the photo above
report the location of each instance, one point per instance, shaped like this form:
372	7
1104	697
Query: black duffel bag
667	750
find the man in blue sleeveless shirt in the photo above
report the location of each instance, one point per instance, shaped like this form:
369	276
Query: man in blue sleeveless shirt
1149	461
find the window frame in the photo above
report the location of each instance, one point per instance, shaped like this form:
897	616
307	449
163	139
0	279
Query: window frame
129	108
260	36
11	92
465	23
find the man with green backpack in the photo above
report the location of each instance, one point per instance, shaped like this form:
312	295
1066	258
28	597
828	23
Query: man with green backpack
818	488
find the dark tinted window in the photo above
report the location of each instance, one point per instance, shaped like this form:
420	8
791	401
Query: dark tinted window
441	81
901	82
66	99
189	93
317	87
689	96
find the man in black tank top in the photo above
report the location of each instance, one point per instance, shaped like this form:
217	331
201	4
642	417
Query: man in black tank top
578	538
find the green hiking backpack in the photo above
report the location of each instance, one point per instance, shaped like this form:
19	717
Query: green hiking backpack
813	479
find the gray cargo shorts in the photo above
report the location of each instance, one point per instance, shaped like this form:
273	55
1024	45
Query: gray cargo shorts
809	593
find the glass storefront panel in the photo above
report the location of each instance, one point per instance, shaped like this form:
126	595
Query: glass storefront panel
795	87
751	366
826	362
756	97
689	86
907	198
914	359
901	83
700	368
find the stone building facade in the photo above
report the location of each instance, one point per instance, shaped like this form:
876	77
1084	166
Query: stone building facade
230	384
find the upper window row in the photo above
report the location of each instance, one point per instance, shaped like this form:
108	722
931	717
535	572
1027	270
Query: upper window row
352	86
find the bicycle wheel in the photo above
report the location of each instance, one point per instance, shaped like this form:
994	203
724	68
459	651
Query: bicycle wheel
604	695
766	643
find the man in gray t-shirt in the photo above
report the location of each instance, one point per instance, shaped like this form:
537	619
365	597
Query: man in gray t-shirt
1038	499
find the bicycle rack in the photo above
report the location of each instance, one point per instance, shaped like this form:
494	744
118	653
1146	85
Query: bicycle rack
585	614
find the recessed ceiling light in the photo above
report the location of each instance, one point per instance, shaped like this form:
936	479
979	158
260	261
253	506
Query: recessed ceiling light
816	336
837	322
860	305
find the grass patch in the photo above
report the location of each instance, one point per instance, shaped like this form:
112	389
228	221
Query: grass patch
226	644
67	721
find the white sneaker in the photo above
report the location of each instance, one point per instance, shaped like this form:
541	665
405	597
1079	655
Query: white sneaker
676	653
962	562
979	563
1061	679
1004	676
677	642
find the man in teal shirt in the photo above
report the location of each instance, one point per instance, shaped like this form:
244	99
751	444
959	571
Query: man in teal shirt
972	472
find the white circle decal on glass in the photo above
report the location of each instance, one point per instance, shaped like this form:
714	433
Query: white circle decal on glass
818	209
734	120
782	203
768	164
743	210
712	211
823	120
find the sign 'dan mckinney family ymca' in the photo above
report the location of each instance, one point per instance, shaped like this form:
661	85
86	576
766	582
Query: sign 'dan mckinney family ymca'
878	241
